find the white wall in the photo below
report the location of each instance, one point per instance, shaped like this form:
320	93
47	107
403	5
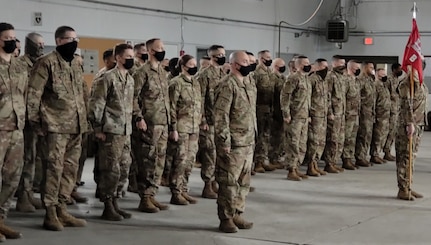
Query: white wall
97	20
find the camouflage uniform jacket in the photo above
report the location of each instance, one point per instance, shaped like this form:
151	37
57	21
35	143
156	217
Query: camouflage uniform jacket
151	99
111	103
185	99
353	96
392	85
295	97
13	87
279	81
368	95
209	78
265	88
383	100
412	112
57	95
234	113
337	92
319	96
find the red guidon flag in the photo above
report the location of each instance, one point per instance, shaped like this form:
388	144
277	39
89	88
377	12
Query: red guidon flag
412	53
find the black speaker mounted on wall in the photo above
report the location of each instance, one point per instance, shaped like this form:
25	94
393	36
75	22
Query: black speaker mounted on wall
337	31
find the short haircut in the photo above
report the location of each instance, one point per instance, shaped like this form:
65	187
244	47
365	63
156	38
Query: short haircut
206	58
150	42
138	46
337	57
367	63
262	52
380	69
249	53
121	47
61	31
320	60
6	27
108	53
395	66
33	35
299	59
214	47
184	59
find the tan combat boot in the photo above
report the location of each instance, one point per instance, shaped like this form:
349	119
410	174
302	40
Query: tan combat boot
362	163
8	232
269	167
228	226
23	204
51	221
190	199
311	170
242	223
147	206
416	195
78	197
347	164
67	219
178	199
208	192
389	157
330	168
161	206
109	213
279	165
404	194
214	186
2	238
376	160
37	203
165	179
293	175
258	168
120	211
316	166
340	169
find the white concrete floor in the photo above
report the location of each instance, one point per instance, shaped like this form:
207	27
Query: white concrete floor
354	207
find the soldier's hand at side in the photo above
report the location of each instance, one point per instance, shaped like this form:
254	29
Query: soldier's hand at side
309	120
174	135
100	136
226	150
410	128
141	125
37	128
287	119
331	117
205	127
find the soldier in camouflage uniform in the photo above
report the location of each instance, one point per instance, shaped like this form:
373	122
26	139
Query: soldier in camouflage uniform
57	109
411	118
13	87
110	113
353	103
209	79
185	110
26	201
152	97
366	114
318	114
295	105
235	130
382	115
336	80
392	85
264	108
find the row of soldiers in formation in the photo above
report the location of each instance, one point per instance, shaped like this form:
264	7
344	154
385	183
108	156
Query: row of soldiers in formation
134	112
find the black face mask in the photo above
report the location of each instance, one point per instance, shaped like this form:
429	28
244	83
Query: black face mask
192	71
398	73
307	68
253	67
267	62
282	69
144	57
129	63
33	49
221	60
357	72
322	73
166	68
67	50
384	79
9	46
159	55
340	69
244	70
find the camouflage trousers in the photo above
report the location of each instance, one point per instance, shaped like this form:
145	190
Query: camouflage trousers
133	170
60	165
316	139
114	163
83	157
334	140
150	155
207	154
402	154
296	133
233	172
363	139
171	153
393	122
183	164
277	141
11	163
380	134
264	124
350	132
28	170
